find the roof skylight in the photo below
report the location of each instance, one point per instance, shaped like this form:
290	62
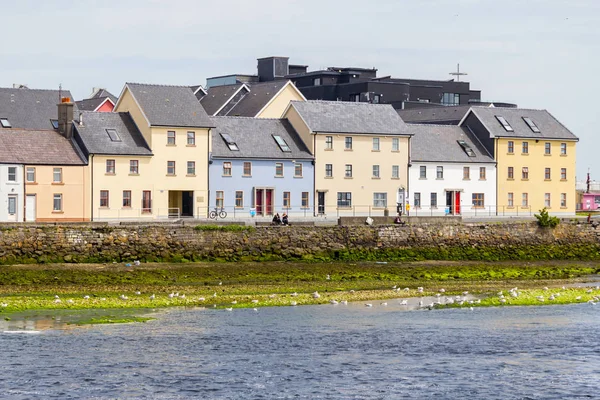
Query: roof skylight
230	142
466	148
531	124
54	123
113	135
4	122
505	123
282	144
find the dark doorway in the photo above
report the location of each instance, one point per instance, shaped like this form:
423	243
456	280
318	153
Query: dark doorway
321	203
187	204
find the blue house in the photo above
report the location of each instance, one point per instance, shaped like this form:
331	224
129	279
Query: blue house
260	167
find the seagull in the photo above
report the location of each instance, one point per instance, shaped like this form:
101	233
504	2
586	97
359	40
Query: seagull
138	292
406	289
234	302
70	301
255	309
442	290
215	294
220	283
328	277
293	303
420	289
345	302
465	293
271	296
57	300
254	301
152	297
502	301
368	305
316	295
182	296
294	294
4	305
56	296
171	295
86	297
136	262
384	304
333	301
201	299
420	303
578	298
404	303
123	297
229	309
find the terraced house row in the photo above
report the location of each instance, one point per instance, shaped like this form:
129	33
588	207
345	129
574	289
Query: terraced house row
160	151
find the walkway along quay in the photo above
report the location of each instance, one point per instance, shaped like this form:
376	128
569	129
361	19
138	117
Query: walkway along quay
490	241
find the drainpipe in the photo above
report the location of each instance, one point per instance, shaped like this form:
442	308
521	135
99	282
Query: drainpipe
208	172
24	192
92	187
496	159
409	165
315	200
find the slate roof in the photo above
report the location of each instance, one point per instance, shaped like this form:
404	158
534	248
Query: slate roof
254	138
549	126
165	105
349	117
260	94
451	114
38	147
438	143
95	140
103	93
90	104
30	108
217	96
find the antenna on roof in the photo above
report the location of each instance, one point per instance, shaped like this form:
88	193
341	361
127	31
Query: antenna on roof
59	92
458	74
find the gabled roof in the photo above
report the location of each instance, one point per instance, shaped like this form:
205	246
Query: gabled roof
439	143
254	138
30	108
199	91
260	94
348	117
102	94
93	103
549	127
218	96
442	114
38	147
95	139
165	105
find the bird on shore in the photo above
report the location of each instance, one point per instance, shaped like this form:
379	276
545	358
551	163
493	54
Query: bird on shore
215	294
442	290
136	262
229	309
344	302
86	297
272	296
254	301
123	297
234	302
255	309
420	289
293	303
404	303
138	292
171	295
56	296
368	305
294	294
333	302
384	304
316	295
57	300
152	297
328	277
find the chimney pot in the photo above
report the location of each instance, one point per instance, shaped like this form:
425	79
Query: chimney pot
65	117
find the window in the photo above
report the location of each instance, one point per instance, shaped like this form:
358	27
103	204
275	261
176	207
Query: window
422	172
298	170
504	123
467	148
466	173
348	171
344	199
547	174
563	149
417	199
563	199
30	176
395	144
279	169
104	198
226	169
563	174
525	149
147	201
482	173
395	172
375	144
375	171
511	199
439	172
110	167
478	200
134	167
113	135
547	200
329	170
433	200
531	124
247	168
126	198
170	167
230	142
450	99
376	98
57	202
219	200
12	174
54	123
282	144
12	205
525	200
57	175
511	173
548	148
380	200
328	142
348	143
511	147
239	199
4	122
191	167
191	138
171	138
317	82
525	173
305	200
355	97
286	199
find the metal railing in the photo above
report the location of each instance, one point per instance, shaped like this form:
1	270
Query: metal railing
108	214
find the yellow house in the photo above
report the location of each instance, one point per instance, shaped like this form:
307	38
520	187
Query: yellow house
535	157
258	100
361	155
177	130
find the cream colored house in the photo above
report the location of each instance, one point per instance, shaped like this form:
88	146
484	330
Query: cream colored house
177	130
361	155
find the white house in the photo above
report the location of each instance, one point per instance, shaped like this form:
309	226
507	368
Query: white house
11	193
450	173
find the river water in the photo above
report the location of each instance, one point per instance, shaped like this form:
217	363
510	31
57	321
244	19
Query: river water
312	352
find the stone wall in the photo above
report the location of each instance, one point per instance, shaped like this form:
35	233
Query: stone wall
104	243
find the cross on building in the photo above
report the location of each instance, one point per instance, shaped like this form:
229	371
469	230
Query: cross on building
458	74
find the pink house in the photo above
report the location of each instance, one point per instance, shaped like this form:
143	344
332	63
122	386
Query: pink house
590	201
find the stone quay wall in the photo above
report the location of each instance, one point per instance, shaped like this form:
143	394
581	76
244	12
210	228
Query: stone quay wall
21	243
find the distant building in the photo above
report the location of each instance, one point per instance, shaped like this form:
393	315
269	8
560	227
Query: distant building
101	100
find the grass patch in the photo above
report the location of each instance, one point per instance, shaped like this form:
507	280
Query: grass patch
110	319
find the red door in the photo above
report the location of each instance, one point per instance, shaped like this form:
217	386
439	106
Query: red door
457	202
269	201
259	201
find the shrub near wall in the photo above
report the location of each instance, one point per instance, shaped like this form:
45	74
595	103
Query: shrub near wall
494	241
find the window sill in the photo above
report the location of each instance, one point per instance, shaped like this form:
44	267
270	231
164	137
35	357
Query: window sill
439	179
348	150
510	179
31	183
225	176
547	155
344	208
422	179
524	179
298	177
466	179
547	180
171	175
110	174
510	207
478	207
563	207
563	155
395	151
395	177
482	179
58	212
191	175
278	176
329	177
171	145
524	207
246	176
126	208
328	149
378	208
348	177
134	174
524	154
375	151
510	154
563	180
58	183
375	177
239	207
190	145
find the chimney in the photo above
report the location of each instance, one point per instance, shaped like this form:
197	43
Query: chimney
65	117
272	68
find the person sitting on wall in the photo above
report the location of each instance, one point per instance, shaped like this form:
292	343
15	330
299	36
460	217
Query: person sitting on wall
398	220
276	220
284	219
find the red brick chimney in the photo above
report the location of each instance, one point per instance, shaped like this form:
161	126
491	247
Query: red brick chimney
65	117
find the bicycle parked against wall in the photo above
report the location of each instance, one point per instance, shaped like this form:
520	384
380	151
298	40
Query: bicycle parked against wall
217	213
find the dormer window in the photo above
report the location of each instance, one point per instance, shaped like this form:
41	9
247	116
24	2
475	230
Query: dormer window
113	135
4	122
282	144
54	123
504	124
230	142
531	124
466	148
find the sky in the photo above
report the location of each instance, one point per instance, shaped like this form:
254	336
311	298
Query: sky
539	54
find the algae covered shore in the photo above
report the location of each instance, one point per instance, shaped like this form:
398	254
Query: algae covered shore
236	285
